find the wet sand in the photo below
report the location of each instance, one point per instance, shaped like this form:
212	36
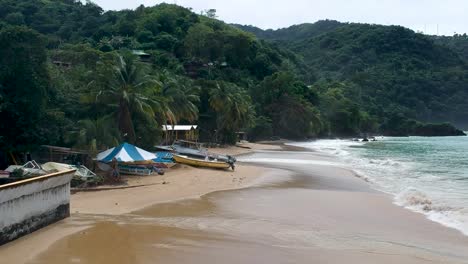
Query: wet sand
315	213
180	183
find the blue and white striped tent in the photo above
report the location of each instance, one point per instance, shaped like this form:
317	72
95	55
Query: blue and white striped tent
125	153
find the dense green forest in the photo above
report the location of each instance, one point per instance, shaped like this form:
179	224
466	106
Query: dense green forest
74	75
397	76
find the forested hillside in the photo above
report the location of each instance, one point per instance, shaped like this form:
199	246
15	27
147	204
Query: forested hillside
293	33
457	43
391	72
74	75
71	76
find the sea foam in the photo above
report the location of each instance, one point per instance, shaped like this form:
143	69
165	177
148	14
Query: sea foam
424	175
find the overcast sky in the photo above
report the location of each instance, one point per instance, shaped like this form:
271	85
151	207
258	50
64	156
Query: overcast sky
429	16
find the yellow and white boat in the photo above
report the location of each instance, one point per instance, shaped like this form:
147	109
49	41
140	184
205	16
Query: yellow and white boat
202	163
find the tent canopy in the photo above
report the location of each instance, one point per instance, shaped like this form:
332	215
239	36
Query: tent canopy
125	153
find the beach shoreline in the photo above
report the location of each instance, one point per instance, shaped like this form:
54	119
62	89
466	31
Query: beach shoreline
139	192
348	207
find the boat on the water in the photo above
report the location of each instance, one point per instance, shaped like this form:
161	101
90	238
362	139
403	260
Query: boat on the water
207	163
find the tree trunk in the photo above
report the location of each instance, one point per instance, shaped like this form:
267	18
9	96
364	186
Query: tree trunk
126	128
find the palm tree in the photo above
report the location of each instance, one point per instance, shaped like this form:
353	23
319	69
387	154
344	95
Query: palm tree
131	90
233	108
94	135
182	98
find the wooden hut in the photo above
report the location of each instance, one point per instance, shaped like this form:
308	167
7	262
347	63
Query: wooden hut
180	132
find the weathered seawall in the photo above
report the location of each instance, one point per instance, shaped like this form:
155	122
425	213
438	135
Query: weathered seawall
28	205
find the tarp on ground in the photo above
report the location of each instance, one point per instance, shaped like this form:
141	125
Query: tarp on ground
125	153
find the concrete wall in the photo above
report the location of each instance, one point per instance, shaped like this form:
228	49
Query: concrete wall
28	205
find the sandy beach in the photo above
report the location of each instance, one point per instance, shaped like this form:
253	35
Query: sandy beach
178	183
181	182
300	208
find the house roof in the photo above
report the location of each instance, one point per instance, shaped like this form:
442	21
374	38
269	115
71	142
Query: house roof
140	53
179	127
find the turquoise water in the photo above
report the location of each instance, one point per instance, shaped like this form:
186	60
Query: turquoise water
427	175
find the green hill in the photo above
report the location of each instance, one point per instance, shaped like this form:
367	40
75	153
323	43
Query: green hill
296	32
387	70
196	70
74	75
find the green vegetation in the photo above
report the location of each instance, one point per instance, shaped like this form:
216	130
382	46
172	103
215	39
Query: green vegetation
74	75
381	74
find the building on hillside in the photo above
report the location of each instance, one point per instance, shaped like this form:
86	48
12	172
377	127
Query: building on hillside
65	65
180	132
144	57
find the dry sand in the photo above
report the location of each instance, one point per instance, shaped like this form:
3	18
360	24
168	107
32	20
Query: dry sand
180	182
323	214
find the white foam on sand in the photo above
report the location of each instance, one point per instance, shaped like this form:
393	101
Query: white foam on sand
418	201
288	161
447	205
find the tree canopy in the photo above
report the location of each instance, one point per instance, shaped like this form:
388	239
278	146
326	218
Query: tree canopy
74	75
384	70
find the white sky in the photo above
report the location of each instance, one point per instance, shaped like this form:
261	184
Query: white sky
429	16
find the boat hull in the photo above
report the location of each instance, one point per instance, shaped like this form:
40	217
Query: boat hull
142	162
164	165
201	163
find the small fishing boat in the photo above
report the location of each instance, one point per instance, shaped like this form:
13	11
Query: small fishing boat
195	150
203	162
163	160
138	170
29	169
80	171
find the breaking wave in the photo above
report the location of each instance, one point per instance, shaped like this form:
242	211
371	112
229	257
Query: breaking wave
425	175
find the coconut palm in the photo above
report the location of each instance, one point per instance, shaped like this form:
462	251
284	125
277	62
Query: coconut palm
182	98
131	90
232	106
95	134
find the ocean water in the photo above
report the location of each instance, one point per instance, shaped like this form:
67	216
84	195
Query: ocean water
427	175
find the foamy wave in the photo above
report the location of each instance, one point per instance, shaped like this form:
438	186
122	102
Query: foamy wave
453	219
385	162
362	176
287	161
419	201
333	147
393	172
414	198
